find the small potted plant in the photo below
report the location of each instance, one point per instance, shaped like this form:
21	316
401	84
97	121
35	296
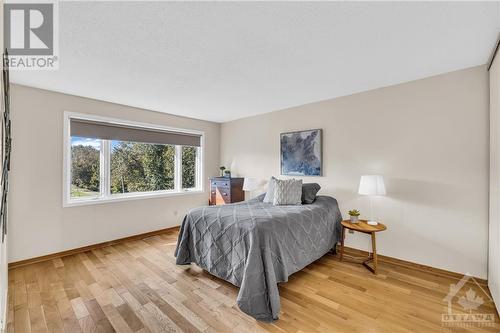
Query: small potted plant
222	168
227	173
354	214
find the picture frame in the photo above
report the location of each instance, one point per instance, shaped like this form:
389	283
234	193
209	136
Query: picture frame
301	153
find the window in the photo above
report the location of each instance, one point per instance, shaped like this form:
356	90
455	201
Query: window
189	167
85	167
110	160
142	167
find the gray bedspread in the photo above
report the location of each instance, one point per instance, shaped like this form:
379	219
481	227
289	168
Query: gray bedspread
255	245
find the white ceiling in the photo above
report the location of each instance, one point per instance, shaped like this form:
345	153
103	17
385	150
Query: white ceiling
221	61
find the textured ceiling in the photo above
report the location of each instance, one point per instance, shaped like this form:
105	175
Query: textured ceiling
221	61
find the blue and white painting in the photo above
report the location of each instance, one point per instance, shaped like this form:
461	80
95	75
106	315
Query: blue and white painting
301	153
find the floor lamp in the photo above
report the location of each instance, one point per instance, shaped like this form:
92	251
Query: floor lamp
371	185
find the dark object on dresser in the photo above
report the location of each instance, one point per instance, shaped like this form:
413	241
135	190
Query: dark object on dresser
226	190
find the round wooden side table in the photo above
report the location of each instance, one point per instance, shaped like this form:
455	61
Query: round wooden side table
364	227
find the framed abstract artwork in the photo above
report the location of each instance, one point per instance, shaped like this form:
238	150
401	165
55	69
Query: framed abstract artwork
300	153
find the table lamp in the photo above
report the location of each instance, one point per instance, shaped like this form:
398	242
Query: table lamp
371	185
250	185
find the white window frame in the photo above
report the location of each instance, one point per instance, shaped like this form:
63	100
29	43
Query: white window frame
105	195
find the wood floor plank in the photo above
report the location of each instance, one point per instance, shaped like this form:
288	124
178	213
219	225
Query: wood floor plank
87	324
22	319
209	317
130	317
150	322
135	286
58	263
51	312
95	310
79	308
183	323
116	320
37	319
68	317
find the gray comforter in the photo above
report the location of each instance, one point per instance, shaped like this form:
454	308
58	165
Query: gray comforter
255	245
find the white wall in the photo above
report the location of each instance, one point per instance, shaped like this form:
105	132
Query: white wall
37	216
429	138
494	227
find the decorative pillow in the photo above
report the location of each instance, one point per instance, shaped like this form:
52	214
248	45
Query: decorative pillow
309	192
287	192
269	198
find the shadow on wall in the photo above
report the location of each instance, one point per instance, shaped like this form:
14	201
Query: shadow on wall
343	196
425	193
406	203
432	248
401	191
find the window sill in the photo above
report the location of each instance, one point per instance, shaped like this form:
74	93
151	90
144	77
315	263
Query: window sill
126	197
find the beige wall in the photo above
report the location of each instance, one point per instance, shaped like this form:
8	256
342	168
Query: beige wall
494	226
429	138
37	216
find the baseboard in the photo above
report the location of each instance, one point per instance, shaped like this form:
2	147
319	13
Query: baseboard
415	266
89	247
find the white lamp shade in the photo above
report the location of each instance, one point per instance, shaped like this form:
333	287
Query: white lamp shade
250	184
372	185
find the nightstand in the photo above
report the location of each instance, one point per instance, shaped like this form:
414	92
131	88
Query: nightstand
365	228
226	190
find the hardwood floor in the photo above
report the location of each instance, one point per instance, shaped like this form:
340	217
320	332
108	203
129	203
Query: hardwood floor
135	286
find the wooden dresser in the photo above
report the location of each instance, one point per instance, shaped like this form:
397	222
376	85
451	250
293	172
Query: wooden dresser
226	190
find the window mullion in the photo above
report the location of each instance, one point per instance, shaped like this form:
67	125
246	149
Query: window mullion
199	171
106	168
178	168
102	167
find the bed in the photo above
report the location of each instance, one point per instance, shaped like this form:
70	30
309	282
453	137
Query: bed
255	245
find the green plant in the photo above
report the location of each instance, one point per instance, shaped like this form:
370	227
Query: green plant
227	171
354	212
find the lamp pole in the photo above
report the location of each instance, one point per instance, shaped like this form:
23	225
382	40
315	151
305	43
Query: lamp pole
371	185
371	208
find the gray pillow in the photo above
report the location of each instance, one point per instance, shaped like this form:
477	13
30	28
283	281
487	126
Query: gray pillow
287	192
309	191
269	198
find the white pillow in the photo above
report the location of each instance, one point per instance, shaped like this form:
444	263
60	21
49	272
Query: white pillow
287	192
269	198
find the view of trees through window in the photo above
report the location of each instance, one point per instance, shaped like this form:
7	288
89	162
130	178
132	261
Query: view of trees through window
141	167
85	167
188	167
134	167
